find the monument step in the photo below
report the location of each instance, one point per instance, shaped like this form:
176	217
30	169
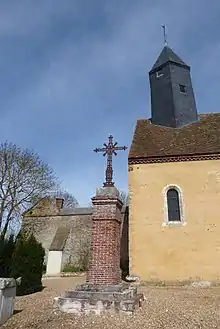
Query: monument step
97	305
104	288
101	295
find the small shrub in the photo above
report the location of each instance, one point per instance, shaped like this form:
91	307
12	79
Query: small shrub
7	247
28	263
44	268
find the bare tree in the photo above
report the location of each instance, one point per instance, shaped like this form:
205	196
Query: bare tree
124	197
69	200
24	177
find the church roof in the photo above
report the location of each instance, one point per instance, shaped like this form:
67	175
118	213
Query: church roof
199	138
167	55
59	239
76	211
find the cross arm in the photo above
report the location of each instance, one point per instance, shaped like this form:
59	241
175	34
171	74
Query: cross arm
118	148
101	149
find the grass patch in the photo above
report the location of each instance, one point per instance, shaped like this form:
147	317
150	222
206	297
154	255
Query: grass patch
71	268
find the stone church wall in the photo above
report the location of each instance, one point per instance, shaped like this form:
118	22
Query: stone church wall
190	250
78	239
44	229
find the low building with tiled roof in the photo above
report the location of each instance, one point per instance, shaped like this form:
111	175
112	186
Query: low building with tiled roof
65	233
174	182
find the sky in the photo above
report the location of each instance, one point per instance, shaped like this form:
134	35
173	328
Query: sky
74	71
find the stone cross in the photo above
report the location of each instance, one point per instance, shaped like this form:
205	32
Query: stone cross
109	150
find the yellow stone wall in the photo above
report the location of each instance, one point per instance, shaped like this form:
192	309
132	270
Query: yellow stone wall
190	251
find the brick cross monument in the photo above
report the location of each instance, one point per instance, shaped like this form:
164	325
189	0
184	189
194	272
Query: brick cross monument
103	291
104	267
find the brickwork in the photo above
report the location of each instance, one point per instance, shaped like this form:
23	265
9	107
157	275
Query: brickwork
104	265
180	158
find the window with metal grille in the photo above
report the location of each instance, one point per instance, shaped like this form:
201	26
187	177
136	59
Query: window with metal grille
173	205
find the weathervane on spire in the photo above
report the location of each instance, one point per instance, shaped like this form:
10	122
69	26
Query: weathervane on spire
164	35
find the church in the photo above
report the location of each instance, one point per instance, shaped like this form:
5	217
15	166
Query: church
171	230
174	182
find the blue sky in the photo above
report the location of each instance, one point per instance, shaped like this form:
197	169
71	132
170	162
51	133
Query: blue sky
74	71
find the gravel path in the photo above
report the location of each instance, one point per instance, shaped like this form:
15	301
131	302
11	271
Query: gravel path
164	308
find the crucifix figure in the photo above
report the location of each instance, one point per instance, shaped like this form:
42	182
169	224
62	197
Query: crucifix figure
109	150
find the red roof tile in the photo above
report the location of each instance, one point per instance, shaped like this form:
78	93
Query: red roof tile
202	137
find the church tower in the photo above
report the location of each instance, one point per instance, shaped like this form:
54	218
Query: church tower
174	182
172	97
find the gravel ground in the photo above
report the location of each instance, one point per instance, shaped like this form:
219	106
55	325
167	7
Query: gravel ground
164	308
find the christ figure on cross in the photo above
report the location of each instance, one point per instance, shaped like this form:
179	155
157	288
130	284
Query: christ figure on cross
109	150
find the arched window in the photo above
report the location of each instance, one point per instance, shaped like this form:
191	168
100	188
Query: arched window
173	205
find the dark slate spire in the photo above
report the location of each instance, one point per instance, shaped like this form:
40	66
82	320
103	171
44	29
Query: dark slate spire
172	97
167	55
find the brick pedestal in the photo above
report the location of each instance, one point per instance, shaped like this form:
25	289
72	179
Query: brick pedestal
104	267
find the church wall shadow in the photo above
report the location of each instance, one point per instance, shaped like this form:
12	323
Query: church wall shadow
124	247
